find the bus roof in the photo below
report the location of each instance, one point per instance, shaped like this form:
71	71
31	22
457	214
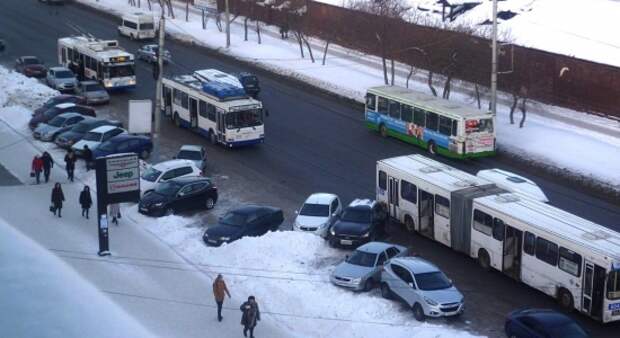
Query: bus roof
100	48
551	220
195	87
436	173
432	103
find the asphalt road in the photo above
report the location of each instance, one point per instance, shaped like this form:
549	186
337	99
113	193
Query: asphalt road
314	142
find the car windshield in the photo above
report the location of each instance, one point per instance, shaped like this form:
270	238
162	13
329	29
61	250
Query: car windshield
92	136
57	121
362	258
64	74
432	281
82	127
107	146
567	330
243	119
234	219
52	113
31	61
356	215
310	209
167	188
118	71
151	174
95	87
189	155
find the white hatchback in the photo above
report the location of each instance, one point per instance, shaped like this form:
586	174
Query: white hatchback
164	171
95	137
318	213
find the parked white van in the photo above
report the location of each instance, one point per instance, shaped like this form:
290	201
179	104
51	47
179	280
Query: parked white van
137	26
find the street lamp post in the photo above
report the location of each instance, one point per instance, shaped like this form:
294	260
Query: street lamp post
494	61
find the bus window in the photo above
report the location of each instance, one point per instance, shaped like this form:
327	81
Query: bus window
408	192
455	125
406	113
177	97
184	100
382	180
546	251
613	285
570	262
498	229
419	117
445	125
147	26
442	206
64	55
382	105
202	109
371	102
486	126
394	109
432	121
211	112
529	244
483	222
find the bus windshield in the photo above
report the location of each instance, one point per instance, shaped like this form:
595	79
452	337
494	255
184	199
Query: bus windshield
613	285
118	71
479	126
244	119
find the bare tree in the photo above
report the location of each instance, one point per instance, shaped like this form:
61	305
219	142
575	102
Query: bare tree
412	72
296	12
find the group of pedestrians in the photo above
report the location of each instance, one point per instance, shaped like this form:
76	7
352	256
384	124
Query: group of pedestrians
250	314
42	164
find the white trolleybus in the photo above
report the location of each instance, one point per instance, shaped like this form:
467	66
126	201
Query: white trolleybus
565	256
219	111
101	60
433	123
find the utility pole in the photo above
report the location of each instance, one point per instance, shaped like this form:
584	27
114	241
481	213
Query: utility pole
227	24
494	62
155	127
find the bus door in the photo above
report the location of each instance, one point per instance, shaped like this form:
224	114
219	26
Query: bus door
193	112
393	206
593	289
426	213
167	94
220	126
512	252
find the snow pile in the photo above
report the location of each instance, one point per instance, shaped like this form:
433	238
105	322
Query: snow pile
288	272
37	284
19	90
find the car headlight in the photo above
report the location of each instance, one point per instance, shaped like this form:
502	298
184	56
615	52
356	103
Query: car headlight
225	239
324	225
107	83
132	82
430	301
332	231
158	205
356	280
366	235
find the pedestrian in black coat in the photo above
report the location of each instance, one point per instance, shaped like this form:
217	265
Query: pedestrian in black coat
70	159
57	198
48	164
251	314
85	201
88	156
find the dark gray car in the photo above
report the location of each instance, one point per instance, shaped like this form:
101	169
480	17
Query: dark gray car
93	92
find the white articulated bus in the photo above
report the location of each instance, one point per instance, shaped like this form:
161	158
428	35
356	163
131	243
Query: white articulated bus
560	254
221	112
100	60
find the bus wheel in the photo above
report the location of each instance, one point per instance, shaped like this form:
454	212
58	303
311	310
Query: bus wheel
177	120
383	130
409	225
565	299
432	148
484	260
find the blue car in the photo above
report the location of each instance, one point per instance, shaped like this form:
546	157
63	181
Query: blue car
541	323
125	143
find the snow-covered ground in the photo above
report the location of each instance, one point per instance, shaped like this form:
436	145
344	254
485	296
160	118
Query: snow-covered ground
287	271
562	145
583	29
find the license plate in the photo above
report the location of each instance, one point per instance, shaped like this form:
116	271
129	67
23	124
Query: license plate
615	312
212	241
144	209
346	242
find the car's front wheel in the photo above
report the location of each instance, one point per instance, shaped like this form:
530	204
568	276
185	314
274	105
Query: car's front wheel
369	284
385	291
418	312
210	203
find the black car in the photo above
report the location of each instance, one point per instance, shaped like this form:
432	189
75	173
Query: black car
250	83
179	194
60	109
72	136
541	323
250	220
361	222
58	100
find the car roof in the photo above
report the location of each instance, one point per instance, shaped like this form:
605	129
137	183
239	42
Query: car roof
190	179
70	114
29	57
59	68
191	147
65	105
320	198
123	137
362	203
103	129
375	247
416	264
251	208
170	164
547	316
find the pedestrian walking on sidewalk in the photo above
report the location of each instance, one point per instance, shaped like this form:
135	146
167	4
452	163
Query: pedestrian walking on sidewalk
115	212
251	314
48	164
85	201
70	159
88	156
219	291
57	198
36	168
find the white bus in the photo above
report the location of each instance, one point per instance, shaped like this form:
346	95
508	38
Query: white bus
560	254
100	60
221	112
441	126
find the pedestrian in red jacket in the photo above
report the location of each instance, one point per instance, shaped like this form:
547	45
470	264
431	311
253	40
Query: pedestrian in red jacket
37	167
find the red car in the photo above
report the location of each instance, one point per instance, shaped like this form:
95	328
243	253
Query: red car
30	66
80	100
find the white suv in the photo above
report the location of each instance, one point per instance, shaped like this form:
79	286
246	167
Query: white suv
166	170
318	213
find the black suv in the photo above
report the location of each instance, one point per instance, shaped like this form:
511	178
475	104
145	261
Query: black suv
250	220
250	83
361	222
179	194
